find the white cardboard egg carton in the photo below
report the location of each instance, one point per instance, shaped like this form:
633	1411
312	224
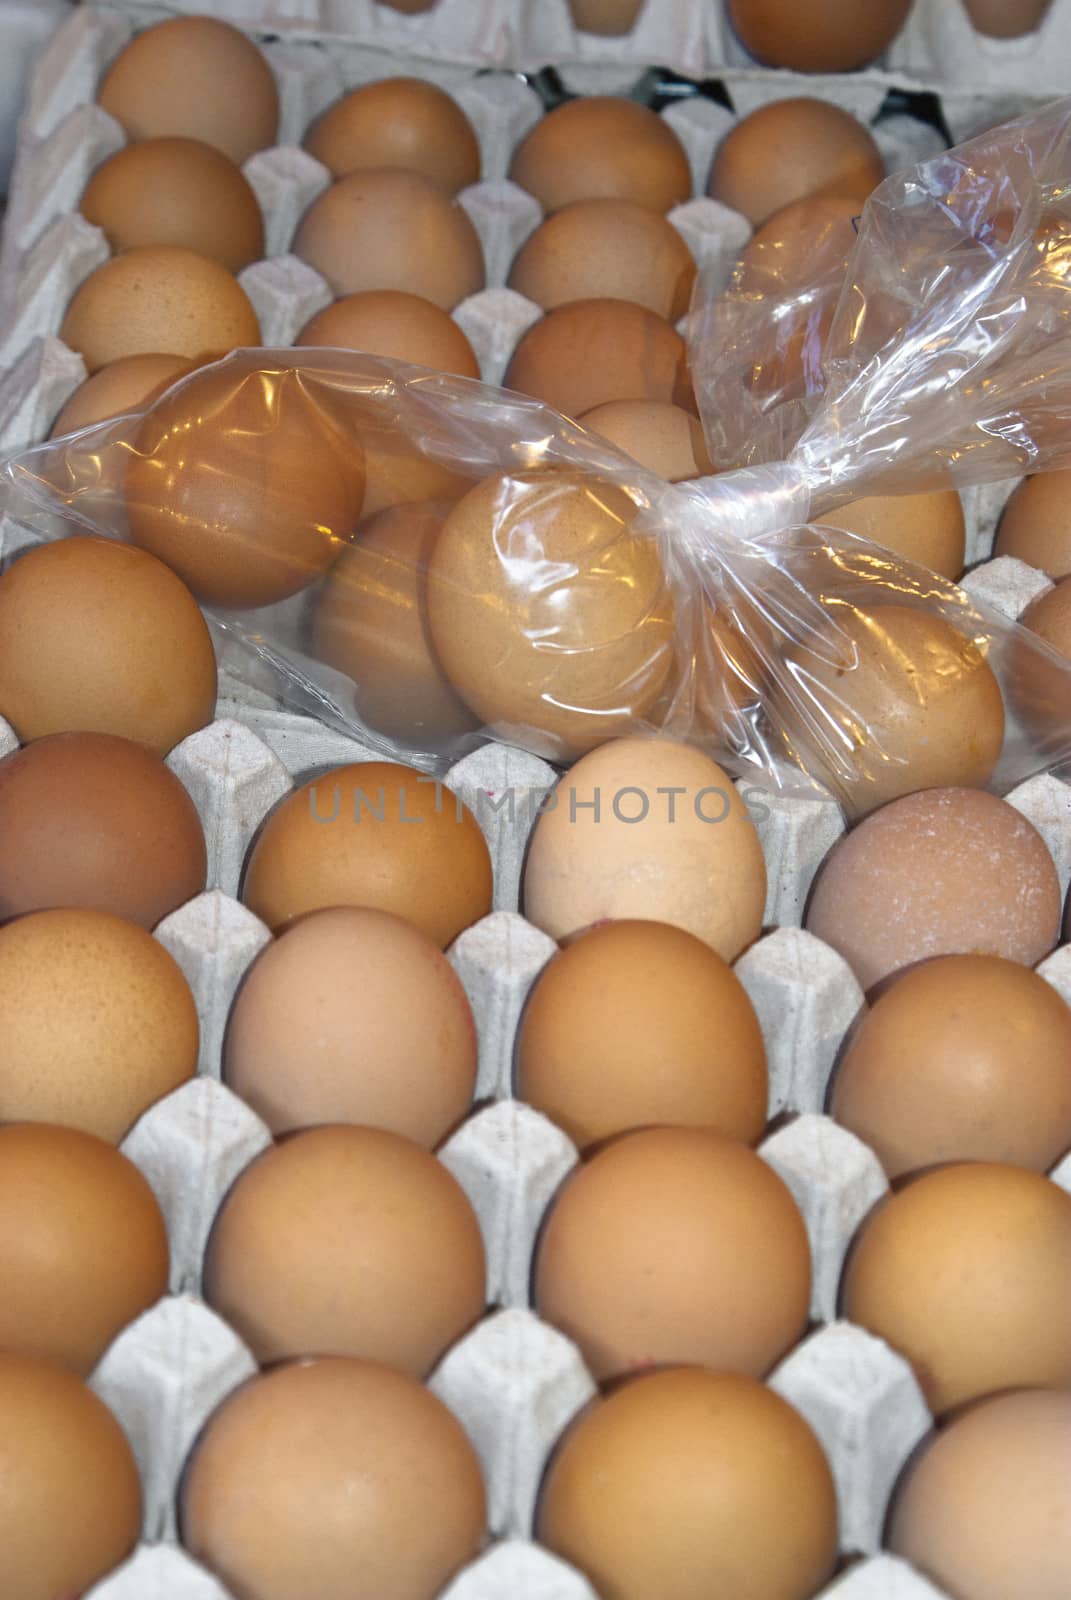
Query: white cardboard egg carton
513	1381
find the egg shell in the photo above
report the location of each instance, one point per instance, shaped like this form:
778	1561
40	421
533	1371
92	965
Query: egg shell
927	529
194	77
606	17
942	872
398	122
1039	685
540	573
347	1241
965	1271
398	474
832	36
179	192
98	637
639	1263
403	327
1006	19
159	299
648	828
830	151
1036	527
372	834
72	1501
307	1046
98	1022
92	820
128	384
602	147
389	1486
606	248
83	1245
662	437
384	228
638	1023
685	1483
1049	617
588	352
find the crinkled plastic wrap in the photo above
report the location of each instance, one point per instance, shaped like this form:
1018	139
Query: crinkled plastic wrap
428	561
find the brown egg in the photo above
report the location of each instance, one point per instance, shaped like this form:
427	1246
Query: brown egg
539	574
638	1023
831	151
966	1272
737	1497
83	1247
598	248
128	384
962	1058
159	299
244	483
371	622
983	1511
602	147
91	820
609	17
97	637
347	1241
304	1046
385	228
1036	524
648	828
398	122
730	676
98	1022
347	838
402	327
591	351
906	700
1050	617
831	36
371	1475
71	1507
927	529
397	474
1038	685
661	437
802	242
645	1257
198	78
1007	19
176	191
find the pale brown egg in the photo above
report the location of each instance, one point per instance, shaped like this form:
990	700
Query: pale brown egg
927	529
83	1247
984	1510
648	828
244	484
198	78
305	1045
397	474
943	872
610	17
965	1272
830	151
371	622
402	327
597	248
176	191
71	1507
371	1474
646	1258
830	36
907	702
384	228
98	637
540	575
398	122
159	299
603	147
1007	19
590	351
1036	524
640	1023
352	837
347	1241
92	820
128	384
97	1022
662	437
737	1496
961	1058
802	241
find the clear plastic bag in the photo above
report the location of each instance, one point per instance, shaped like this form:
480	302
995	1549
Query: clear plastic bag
550	592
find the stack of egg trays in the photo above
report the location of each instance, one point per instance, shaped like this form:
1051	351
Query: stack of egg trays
512	1380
